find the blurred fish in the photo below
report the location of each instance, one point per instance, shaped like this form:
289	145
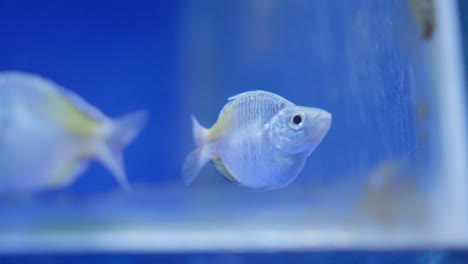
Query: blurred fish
423	11
49	134
260	140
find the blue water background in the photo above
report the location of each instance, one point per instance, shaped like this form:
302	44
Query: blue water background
177	58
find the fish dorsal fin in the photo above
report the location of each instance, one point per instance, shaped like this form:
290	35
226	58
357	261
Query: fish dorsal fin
251	93
244	93
81	105
232	98
59	103
74	113
221	168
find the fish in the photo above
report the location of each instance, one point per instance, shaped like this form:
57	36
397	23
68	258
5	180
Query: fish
260	140
49	135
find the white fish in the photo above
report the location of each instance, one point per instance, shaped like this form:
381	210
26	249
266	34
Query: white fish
260	140
48	135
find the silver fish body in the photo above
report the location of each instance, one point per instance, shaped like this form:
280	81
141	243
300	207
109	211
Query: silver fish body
260	140
48	135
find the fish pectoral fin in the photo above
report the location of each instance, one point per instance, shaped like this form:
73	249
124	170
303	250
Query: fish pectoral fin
66	174
221	168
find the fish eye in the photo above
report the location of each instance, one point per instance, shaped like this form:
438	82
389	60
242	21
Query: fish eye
296	120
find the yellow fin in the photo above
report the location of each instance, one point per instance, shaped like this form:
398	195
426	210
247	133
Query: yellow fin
66	174
221	168
221	124
71	115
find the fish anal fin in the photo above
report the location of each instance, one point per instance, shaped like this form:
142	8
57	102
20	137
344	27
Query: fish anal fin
66	174
221	168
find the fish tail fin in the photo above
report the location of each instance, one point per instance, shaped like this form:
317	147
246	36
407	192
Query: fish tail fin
198	157
121	133
199	132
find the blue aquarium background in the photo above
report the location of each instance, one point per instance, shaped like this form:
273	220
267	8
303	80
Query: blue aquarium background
363	61
178	58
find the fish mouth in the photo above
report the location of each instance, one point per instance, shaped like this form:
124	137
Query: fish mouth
323	122
325	119
321	125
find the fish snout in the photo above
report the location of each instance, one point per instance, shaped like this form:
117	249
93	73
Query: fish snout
325	119
321	122
321	119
